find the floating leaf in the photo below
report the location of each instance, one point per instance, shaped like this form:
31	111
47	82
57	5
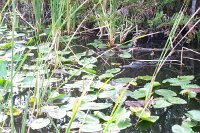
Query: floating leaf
124	80
89	70
189	86
165	93
86	61
151	118
101	115
189	124
181	129
106	76
5	46
74	72
123	124
108	94
49	108
194	114
57	113
188	77
88	119
90	97
125	55
176	100
40	123
94	106
146	78
161	103
113	71
139	93
91	128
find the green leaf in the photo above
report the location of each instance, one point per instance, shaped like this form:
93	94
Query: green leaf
186	78
124	80
113	71
176	100
161	103
5	46
151	118
89	70
40	123
57	113
91	128
194	114
74	72
88	119
139	93
106	76
146	78
125	55
180	129
94	106
101	115
165	93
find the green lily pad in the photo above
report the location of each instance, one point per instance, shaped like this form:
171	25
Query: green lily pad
74	72
106	76
107	94
40	123
94	106
189	86
101	115
90	98
124	80
113	71
57	113
88	119
161	103
151	118
194	114
176	100
125	55
146	78
181	129
139	93
165	93
91	128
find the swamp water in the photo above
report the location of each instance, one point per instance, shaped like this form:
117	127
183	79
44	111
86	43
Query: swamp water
91	69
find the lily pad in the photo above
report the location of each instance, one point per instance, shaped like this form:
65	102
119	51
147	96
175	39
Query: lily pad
194	114
113	71
165	93
40	123
101	115
146	78
91	128
161	103
139	93
94	106
176	100
125	55
57	113
181	129
106	76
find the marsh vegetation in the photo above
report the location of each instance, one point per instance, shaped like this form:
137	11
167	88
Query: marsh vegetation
99	66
